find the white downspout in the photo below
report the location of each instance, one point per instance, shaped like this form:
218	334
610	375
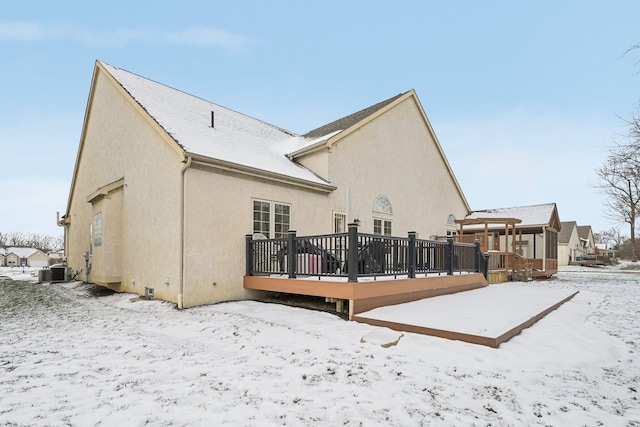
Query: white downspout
182	230
61	223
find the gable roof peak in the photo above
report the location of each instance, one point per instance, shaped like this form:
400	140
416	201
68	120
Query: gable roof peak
348	121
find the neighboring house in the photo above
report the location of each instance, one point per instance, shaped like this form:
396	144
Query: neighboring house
25	257
587	240
56	257
3	257
528	233
166	186
570	247
603	250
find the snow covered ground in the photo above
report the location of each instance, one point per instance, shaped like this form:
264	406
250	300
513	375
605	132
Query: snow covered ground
72	356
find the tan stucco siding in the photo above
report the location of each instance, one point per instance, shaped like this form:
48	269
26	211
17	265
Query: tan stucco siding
317	161
219	213
119	142
395	156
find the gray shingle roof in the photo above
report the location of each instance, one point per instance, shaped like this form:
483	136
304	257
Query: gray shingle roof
565	232
583	231
350	120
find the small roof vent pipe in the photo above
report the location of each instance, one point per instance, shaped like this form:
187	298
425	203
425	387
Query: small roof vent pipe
213	121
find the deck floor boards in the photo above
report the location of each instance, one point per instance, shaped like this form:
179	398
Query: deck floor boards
487	316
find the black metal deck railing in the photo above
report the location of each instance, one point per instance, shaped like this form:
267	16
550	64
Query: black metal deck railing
355	254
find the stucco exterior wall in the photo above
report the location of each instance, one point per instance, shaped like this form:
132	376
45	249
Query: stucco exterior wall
395	156
119	142
219	213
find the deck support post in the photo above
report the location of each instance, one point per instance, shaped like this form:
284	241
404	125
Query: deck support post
249	254
352	252
412	254
292	256
449	256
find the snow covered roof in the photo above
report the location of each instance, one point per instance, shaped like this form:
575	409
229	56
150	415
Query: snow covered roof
534	215
21	252
234	137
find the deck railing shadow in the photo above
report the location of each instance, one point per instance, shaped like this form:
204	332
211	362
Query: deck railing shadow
354	255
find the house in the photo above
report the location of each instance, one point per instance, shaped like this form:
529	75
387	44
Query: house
587	240
25	257
604	250
570	247
518	239
167	185
56	257
3	257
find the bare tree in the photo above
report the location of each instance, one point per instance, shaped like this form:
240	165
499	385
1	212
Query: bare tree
619	180
43	242
612	237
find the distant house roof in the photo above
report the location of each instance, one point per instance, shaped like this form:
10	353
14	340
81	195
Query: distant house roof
566	231
583	231
21	252
534	215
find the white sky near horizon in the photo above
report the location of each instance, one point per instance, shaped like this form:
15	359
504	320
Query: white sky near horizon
523	96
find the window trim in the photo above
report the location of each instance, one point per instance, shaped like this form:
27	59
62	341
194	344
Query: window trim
343	215
272	216
384	222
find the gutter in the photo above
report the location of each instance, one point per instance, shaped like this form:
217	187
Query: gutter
182	230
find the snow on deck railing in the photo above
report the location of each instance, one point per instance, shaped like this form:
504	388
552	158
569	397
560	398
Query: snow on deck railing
354	255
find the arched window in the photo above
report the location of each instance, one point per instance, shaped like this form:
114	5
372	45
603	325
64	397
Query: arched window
382	205
382	212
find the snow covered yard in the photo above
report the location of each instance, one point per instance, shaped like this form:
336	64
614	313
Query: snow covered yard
72	356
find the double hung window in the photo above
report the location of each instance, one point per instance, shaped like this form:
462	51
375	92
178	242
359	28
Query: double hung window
271	219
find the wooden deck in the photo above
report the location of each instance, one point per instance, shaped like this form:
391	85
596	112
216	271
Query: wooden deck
363	298
367	295
472	314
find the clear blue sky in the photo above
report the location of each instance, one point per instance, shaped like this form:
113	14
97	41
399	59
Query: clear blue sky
523	95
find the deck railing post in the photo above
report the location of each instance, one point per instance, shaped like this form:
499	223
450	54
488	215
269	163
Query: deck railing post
249	254
449	256
352	252
482	261
412	254
478	254
292	256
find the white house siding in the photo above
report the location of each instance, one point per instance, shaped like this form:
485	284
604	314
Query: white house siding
119	142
